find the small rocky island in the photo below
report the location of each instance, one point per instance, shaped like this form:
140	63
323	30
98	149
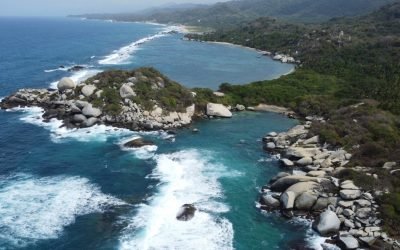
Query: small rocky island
141	99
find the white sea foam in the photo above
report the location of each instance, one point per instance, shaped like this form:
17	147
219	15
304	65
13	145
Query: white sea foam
145	152
313	239
186	177
57	69
79	76
122	55
33	115
34	208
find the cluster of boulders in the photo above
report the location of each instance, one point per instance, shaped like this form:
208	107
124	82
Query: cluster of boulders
75	104
284	58
309	188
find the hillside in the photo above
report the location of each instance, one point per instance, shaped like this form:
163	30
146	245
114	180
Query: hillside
229	14
350	75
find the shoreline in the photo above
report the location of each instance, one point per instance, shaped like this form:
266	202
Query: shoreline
310	186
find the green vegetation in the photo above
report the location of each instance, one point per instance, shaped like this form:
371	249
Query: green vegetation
150	86
350	75
232	13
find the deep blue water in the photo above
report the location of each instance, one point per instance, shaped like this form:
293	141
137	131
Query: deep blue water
64	189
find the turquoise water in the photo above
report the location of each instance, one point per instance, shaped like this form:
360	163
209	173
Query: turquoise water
81	189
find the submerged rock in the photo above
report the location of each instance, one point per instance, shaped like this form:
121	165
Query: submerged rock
138	143
186	212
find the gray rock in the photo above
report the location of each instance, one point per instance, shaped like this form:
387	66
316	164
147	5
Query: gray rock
90	111
99	93
348	185
284	183
270	145
270	201
81	104
321	204
349	223
240	107
327	223
75	109
389	165
316	173
348	212
305	201
66	83
305	161
346	204
138	142
287	200
312	140
219	110
273	134
90	122
286	162
362	203
363	213
78	118
88	90
186	212
126	91
348	242
348	194
369	241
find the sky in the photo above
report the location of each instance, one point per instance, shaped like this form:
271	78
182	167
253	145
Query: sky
67	7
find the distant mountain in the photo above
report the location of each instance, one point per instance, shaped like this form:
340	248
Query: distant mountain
231	13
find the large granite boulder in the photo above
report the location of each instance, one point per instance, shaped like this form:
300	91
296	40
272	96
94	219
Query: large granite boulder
305	161
90	122
88	90
126	91
327	223
306	201
284	183
287	200
66	83
91	111
186	212
269	201
219	110
79	118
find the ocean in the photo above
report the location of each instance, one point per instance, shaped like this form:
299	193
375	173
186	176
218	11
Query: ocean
81	189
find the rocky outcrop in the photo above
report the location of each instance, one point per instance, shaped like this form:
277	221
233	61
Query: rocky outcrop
218	110
186	212
138	143
339	207
108	98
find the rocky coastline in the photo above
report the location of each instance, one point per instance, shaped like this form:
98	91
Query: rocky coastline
138	100
311	187
90	103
